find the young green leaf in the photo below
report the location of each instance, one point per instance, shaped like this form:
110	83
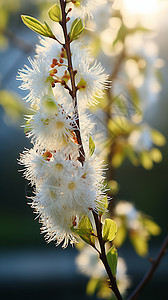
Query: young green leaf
109	230
112	257
76	29
91	146
37	26
92	286
85	230
55	13
48	30
85	223
103	205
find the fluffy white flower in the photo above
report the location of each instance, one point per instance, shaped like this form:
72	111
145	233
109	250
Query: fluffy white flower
35	79
84	8
56	222
77	186
36	165
49	48
52	131
65	190
90	79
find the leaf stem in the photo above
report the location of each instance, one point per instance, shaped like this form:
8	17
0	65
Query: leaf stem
54	38
103	257
72	73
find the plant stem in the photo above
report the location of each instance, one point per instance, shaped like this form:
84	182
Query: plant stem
103	257
151	271
72	73
81	152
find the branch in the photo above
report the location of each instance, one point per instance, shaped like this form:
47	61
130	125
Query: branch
104	258
151	271
72	73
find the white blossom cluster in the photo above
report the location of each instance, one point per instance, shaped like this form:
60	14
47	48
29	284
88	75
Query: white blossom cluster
64	188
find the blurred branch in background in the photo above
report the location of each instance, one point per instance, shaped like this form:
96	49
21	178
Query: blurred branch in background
125	44
149	274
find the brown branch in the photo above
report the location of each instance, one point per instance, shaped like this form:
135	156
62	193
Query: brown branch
151	271
103	256
72	73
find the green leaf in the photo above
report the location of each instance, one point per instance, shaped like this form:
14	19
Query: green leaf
117	159
76	29
120	236
91	146
85	230
103	205
112	257
109	230
55	13
146	160
85	224
151	226
140	243
92	286
158	138
37	26
156	155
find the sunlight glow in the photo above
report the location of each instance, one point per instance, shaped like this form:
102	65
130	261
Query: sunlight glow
140	6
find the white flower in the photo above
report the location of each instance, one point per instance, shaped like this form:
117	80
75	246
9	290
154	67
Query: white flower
65	190
77	186
49	48
35	79
52	131
84	8
93	172
55	218
90	79
36	165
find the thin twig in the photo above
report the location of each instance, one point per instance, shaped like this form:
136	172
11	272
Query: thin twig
103	257
72	73
151	271
54	38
